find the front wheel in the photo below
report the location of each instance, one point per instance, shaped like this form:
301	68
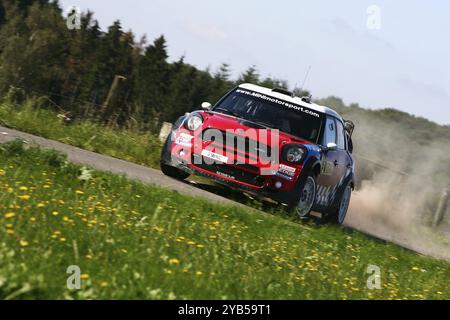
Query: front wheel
307	197
174	172
167	169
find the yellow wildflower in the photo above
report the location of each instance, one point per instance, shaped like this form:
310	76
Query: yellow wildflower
9	215
24	243
174	261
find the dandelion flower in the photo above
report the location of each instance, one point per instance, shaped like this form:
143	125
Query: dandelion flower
24	243
23	188
84	276
24	197
9	215
79	192
174	261
199	273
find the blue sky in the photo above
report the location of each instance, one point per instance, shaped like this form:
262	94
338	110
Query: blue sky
405	64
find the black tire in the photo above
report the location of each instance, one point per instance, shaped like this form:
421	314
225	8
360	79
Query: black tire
168	170
174	172
338	217
307	197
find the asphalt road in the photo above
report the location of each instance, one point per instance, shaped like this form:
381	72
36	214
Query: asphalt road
155	177
106	163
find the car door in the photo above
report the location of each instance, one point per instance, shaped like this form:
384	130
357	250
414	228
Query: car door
331	170
345	161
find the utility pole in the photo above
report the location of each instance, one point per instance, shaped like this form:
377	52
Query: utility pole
441	208
112	93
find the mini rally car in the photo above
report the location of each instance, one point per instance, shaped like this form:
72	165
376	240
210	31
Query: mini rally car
269	143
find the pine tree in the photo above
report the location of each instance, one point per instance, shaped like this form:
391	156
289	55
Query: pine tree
251	75
151	79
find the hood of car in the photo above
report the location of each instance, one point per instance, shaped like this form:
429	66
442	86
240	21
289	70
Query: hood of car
223	122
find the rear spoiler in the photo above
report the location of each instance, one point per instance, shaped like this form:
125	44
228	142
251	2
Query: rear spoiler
349	127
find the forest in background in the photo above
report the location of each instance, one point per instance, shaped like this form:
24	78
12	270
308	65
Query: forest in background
72	71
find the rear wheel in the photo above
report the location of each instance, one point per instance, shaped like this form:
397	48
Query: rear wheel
307	197
341	213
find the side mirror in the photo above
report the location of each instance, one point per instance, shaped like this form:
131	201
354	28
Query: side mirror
206	106
331	146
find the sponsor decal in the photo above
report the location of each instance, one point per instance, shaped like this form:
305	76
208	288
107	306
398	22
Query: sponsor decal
286	172
287	169
280	102
214	156
225	175
327	168
184	140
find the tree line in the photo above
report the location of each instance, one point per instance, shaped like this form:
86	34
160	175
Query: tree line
107	75
76	69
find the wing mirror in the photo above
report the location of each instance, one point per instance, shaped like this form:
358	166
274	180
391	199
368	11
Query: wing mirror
206	106
330	146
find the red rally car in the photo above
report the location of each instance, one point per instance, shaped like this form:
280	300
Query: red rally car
270	143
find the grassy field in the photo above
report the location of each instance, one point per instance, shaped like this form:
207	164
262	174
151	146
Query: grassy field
130	145
134	241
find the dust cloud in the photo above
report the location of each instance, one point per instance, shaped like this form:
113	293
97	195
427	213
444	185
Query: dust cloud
399	186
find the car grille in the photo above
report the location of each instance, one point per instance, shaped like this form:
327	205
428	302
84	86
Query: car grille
239	172
246	149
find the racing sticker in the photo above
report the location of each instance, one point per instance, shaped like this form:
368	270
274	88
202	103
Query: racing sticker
327	168
326	195
184	140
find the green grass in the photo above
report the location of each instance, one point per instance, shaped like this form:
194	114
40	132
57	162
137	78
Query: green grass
130	145
134	241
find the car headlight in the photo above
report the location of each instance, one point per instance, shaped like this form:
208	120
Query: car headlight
194	122
294	154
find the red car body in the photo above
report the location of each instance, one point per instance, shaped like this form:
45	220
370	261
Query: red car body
251	165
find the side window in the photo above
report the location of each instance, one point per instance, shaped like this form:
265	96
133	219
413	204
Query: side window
330	131
340	135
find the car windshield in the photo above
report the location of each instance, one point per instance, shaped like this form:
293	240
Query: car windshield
272	113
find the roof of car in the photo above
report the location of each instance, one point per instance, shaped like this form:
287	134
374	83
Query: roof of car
294	100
